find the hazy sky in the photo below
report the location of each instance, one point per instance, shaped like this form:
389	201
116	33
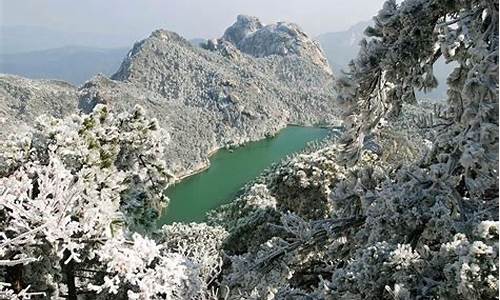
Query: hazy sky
190	18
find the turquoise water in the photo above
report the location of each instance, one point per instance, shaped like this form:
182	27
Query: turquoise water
194	196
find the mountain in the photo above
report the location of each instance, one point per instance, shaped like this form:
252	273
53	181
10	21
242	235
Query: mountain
22	100
252	37
340	47
17	39
73	63
212	97
197	41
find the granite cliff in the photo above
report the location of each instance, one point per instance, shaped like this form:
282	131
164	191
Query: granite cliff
252	37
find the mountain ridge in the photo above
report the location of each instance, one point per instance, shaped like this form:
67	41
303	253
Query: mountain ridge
251	36
209	99
74	64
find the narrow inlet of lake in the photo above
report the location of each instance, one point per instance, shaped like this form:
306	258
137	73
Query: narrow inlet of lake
230	170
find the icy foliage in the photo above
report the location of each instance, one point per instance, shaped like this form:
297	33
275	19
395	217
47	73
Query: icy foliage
381	239
398	59
200	242
406	205
181	263
23	100
145	270
125	151
278	247
455	186
71	194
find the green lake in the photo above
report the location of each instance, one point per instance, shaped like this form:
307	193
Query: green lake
230	170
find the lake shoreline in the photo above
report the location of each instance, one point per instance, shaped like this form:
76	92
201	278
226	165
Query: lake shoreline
217	182
206	166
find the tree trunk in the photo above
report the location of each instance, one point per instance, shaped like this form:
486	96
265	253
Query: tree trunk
14	276
69	274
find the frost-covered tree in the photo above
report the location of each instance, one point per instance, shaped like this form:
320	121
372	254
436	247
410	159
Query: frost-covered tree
72	194
404	207
452	193
412	205
126	149
406	41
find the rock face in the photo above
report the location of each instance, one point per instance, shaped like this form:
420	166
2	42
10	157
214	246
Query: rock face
244	26
213	99
22	100
218	97
250	36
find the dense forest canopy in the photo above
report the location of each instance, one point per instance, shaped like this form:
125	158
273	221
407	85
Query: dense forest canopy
404	206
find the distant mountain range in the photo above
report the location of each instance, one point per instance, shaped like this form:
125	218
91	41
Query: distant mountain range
37	52
43	53
16	39
74	64
342	46
244	86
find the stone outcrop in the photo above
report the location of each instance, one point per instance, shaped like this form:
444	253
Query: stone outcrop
250	36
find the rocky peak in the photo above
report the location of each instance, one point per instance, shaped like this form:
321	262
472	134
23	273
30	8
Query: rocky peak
250	36
244	26
150	54
207	98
